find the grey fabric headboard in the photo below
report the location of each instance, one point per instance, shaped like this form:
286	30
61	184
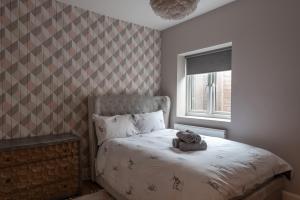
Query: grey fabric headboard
118	105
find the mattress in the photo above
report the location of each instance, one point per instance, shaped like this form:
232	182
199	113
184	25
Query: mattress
147	167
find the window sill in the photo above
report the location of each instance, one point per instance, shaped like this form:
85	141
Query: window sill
205	118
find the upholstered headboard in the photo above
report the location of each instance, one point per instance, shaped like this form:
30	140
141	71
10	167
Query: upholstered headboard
118	105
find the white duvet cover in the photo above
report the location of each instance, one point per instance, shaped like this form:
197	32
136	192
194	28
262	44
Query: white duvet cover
146	167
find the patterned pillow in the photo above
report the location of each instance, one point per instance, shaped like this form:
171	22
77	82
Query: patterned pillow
118	126
149	122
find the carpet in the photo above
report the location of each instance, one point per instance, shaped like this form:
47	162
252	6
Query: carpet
100	195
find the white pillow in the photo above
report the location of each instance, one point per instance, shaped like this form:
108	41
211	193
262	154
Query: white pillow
119	126
149	122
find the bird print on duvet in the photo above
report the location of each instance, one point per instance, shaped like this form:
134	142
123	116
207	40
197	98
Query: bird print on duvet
146	167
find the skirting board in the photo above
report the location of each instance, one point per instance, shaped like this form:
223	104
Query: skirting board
289	196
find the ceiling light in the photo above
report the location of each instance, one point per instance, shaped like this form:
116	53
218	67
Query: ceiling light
173	9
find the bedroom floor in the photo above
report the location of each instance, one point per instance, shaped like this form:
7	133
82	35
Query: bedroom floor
92	191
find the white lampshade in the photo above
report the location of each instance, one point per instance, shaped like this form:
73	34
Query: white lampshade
173	9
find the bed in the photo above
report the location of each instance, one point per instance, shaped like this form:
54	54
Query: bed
147	167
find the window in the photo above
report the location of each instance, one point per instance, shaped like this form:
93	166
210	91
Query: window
208	92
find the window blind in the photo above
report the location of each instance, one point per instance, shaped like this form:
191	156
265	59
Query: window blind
211	61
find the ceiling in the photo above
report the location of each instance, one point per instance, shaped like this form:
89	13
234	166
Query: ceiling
140	12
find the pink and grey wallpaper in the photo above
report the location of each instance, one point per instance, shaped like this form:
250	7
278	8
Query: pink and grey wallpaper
54	55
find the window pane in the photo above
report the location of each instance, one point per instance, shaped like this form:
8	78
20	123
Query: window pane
198	92
223	91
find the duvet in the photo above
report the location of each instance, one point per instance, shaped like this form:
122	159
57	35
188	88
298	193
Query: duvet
146	167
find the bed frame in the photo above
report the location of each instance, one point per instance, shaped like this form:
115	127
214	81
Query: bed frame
124	104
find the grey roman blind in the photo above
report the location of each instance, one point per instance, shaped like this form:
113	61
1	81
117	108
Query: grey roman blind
211	61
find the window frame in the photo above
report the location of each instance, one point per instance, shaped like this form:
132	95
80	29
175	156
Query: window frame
211	94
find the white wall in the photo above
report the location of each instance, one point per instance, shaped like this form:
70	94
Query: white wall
265	71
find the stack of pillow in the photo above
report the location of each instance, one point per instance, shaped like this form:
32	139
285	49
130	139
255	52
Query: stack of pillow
121	126
189	141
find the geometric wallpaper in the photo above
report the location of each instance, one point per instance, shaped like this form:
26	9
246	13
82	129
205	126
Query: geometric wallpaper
54	55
